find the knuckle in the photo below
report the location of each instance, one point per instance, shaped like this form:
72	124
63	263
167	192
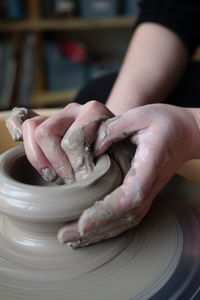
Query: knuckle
32	122
65	143
72	106
95	106
28	123
42	131
68	142
73	140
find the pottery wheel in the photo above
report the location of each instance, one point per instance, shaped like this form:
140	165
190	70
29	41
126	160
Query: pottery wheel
160	257
137	264
157	260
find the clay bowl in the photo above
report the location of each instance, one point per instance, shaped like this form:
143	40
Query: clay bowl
33	265
32	204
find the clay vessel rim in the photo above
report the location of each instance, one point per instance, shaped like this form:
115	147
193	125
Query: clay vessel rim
102	166
57	203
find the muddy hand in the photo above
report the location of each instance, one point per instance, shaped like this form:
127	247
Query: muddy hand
162	134
60	145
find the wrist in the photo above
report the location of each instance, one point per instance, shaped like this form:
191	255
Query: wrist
121	100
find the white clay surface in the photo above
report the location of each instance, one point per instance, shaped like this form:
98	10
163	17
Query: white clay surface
134	265
34	265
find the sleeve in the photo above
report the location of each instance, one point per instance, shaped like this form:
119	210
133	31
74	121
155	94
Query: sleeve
180	16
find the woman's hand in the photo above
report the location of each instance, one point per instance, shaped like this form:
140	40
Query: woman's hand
166	137
59	145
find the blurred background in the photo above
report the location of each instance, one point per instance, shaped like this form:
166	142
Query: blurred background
50	48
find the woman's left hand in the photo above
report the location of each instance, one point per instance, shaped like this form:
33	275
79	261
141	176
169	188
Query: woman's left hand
166	136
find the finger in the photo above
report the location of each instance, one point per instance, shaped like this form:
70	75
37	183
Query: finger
74	239
69	233
102	217
15	120
107	230
120	127
77	141
33	151
49	136
86	241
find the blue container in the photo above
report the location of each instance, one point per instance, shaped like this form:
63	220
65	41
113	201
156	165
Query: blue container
15	9
91	9
131	7
61	73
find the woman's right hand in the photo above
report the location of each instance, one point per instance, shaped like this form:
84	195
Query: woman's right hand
59	145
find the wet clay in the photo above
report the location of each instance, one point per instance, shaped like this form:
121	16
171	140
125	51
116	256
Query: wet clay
34	265
21	114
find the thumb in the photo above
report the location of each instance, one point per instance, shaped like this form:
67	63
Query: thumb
118	128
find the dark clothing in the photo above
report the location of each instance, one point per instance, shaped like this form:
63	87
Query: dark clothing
181	16
187	92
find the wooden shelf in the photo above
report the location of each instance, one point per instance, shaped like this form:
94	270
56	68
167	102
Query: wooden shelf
18	29
49	98
66	24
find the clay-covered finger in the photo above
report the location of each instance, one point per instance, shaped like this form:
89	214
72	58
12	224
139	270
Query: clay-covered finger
49	136
86	241
101	216
15	120
118	128
78	139
106	227
69	234
33	151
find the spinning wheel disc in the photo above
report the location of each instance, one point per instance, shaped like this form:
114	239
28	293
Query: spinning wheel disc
157	260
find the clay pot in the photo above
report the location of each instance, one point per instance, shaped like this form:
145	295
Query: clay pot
33	265
33	205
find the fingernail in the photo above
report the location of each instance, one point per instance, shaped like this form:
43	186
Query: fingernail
48	174
74	245
67	236
79	243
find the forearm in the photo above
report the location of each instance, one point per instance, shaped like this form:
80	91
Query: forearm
154	63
